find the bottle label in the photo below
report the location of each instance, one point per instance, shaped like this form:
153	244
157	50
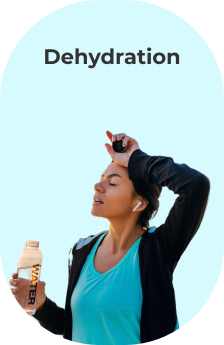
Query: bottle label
34	278
29	276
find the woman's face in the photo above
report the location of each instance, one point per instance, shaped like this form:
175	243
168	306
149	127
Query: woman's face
116	191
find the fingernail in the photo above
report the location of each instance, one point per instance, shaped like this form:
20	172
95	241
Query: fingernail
113	138
13	290
14	282
118	137
123	144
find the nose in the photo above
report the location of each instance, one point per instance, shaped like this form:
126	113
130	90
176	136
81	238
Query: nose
98	186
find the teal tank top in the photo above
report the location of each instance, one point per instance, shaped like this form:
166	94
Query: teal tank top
106	308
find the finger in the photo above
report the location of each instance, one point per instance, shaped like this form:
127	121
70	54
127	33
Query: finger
114	137
121	136
41	285
125	141
15	275
110	150
13	282
109	134
14	291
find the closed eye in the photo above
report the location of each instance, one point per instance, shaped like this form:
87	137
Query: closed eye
111	184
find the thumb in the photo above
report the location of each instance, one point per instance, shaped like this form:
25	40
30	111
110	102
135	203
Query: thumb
110	150
41	285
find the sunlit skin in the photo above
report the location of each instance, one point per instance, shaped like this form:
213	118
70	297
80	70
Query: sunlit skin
119	199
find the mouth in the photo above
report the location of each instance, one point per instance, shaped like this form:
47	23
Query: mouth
97	203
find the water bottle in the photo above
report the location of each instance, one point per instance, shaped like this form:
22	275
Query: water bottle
28	270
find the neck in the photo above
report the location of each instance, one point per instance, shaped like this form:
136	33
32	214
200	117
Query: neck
121	237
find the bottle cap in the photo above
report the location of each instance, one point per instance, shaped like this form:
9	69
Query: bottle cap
34	244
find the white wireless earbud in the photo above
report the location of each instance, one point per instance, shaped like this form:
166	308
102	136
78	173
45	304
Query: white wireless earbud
138	204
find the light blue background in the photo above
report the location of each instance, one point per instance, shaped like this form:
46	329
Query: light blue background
53	130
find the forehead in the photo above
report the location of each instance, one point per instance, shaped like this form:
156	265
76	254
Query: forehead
114	168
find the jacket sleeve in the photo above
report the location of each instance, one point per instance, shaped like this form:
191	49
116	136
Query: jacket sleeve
51	317
188	210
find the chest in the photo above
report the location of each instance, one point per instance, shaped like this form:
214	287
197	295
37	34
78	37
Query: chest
103	261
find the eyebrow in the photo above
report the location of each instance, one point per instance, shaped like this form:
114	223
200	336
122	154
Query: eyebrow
111	175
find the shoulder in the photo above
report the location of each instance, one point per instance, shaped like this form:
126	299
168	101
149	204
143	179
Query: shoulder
152	229
84	241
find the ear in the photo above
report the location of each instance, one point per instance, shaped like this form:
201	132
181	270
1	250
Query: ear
144	203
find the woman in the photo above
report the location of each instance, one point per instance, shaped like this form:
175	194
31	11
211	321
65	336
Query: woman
120	287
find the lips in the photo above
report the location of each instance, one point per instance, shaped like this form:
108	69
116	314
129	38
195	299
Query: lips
97	199
97	203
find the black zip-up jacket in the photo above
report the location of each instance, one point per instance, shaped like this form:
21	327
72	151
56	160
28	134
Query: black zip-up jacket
159	251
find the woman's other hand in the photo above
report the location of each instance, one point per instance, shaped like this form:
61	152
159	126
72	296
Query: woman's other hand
130	145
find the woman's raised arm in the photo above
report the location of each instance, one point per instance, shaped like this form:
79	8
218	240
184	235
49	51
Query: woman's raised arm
188	210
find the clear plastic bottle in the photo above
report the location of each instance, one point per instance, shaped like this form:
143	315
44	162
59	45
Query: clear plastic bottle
29	267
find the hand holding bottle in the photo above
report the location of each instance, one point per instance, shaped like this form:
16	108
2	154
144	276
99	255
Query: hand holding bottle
20	289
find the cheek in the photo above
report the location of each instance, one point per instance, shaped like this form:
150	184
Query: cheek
119	199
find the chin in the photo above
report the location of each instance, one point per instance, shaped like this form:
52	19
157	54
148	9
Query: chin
93	213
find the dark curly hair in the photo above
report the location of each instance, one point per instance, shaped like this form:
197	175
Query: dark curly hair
151	193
